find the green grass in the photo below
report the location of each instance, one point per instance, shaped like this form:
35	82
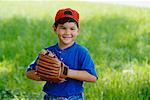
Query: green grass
118	38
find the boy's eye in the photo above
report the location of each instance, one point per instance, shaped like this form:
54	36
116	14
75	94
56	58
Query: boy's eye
72	28
62	28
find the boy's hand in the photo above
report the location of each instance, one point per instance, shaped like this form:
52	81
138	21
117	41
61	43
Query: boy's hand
50	68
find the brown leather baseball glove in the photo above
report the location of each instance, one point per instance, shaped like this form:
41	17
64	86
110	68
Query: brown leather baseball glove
50	68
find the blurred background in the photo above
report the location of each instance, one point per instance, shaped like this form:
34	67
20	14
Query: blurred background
117	34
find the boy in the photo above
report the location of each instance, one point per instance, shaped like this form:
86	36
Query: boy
75	56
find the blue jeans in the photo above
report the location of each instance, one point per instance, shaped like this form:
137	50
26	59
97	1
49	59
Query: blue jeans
75	97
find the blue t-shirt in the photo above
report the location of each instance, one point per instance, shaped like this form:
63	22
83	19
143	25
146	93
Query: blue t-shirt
75	57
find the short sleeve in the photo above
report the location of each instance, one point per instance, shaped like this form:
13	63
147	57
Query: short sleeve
88	64
32	65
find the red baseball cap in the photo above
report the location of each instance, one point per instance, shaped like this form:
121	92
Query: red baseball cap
67	12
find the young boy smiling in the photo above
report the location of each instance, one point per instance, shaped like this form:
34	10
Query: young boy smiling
75	56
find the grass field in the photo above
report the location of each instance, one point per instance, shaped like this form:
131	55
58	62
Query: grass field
118	39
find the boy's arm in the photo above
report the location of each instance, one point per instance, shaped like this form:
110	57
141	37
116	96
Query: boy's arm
74	74
31	75
81	75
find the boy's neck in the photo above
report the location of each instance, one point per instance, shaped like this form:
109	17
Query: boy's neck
62	46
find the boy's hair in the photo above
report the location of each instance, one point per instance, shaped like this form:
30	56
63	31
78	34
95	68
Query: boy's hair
64	20
66	15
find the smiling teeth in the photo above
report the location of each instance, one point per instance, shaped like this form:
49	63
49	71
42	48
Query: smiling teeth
66	37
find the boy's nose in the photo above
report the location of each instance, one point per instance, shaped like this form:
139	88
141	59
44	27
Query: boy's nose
67	31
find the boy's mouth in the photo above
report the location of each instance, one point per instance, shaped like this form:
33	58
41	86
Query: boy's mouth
67	36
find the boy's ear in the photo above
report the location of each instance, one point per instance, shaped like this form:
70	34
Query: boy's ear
54	28
78	30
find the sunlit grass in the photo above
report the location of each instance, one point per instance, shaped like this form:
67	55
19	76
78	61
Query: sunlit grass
131	83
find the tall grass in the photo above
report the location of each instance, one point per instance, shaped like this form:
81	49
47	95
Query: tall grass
117	37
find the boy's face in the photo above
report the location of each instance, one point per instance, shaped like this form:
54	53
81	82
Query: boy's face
67	33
